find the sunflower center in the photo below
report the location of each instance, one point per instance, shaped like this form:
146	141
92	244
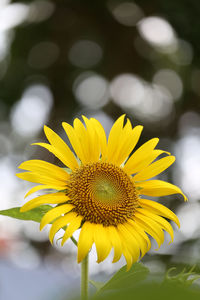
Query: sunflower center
102	193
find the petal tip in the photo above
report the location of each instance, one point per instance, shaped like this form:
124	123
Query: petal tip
64	124
128	267
84	117
47	129
20	167
99	261
80	257
178	223
140	127
23	209
78	260
115	260
51	240
41	226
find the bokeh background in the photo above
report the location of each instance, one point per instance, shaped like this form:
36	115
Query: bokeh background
101	58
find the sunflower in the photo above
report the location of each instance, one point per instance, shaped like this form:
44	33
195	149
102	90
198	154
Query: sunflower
100	190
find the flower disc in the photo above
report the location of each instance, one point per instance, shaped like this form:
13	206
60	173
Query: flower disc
102	193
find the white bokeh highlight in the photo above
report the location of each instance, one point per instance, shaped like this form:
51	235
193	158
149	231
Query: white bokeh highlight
149	102
31	112
159	33
170	80
91	90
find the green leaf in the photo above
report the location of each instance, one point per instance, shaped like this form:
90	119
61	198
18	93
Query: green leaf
97	284
126	279
35	214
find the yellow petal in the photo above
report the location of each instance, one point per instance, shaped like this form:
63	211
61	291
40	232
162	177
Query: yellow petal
139	239
115	242
47	179
128	258
73	226
62	147
131	242
44	168
55	213
86	239
127	255
150	227
141	232
59	223
159	188
102	137
102	242
159	209
42	187
124	133
146	160
75	142
114	138
140	155
93	139
58	147
53	198
58	154
162	222
83	136
155	168
130	139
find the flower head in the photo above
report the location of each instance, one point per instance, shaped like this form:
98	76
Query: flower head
101	190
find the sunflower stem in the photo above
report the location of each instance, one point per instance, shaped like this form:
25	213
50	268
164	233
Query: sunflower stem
84	278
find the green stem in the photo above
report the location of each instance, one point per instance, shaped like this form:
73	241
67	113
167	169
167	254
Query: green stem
84	278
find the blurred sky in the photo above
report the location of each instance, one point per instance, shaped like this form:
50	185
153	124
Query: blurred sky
62	59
